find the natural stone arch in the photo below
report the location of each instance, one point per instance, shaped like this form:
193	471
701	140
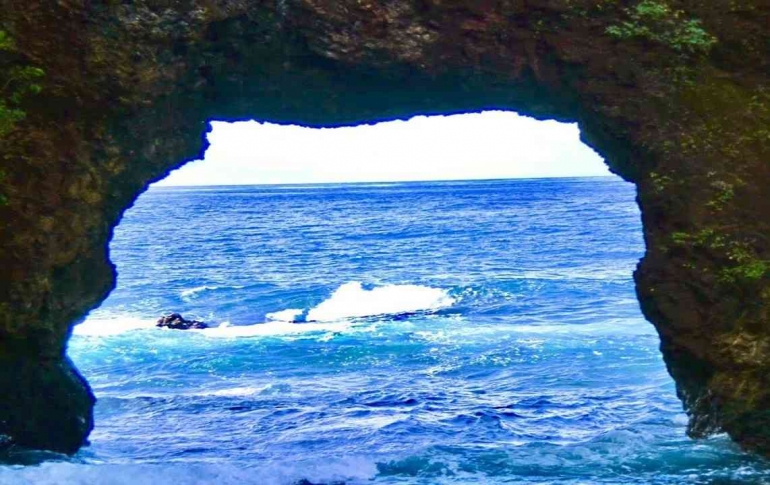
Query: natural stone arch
129	87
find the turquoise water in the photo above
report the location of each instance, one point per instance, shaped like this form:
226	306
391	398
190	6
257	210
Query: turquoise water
450	333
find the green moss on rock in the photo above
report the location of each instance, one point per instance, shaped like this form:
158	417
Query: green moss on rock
656	21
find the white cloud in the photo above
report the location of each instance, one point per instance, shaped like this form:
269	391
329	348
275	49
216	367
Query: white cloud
485	145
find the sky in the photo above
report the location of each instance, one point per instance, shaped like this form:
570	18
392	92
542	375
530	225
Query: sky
488	145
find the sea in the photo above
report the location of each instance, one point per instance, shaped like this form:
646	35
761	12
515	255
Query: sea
482	332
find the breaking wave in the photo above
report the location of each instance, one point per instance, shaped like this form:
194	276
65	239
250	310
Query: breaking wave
351	300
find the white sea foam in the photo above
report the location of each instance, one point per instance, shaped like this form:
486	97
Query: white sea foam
232	392
333	315
272	329
354	469
100	327
191	293
288	315
104	327
351	300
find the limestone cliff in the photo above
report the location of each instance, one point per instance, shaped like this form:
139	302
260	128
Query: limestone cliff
674	93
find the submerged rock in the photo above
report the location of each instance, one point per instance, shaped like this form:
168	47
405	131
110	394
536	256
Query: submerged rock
176	321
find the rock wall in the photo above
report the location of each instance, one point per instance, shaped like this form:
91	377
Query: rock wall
674	93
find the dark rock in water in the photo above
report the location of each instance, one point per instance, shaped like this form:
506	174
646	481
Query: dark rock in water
44	404
178	322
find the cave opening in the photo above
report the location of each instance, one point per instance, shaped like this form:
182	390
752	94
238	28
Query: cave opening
291	159
671	93
386	310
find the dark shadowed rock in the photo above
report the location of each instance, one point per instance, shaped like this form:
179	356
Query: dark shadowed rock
45	404
176	321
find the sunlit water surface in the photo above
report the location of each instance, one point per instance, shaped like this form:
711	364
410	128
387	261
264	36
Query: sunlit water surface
463	333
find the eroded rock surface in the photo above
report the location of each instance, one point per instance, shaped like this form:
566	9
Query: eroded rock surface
673	93
176	321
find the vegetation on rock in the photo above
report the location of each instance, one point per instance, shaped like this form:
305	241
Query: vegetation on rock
655	21
742	262
16	82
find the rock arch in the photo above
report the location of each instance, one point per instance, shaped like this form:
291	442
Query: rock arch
674	94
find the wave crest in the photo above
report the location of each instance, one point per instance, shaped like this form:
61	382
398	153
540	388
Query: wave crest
348	302
351	300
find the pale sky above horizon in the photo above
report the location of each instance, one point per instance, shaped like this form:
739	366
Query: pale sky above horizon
488	145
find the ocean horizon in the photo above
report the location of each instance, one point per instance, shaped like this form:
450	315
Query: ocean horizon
443	332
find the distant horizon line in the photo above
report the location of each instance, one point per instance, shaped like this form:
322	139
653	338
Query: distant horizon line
495	179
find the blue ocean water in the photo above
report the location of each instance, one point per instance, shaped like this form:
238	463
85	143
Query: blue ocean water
451	333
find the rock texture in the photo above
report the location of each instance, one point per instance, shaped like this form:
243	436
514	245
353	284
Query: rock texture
176	321
674	93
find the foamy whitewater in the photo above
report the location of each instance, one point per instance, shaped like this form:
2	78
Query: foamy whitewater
419	333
